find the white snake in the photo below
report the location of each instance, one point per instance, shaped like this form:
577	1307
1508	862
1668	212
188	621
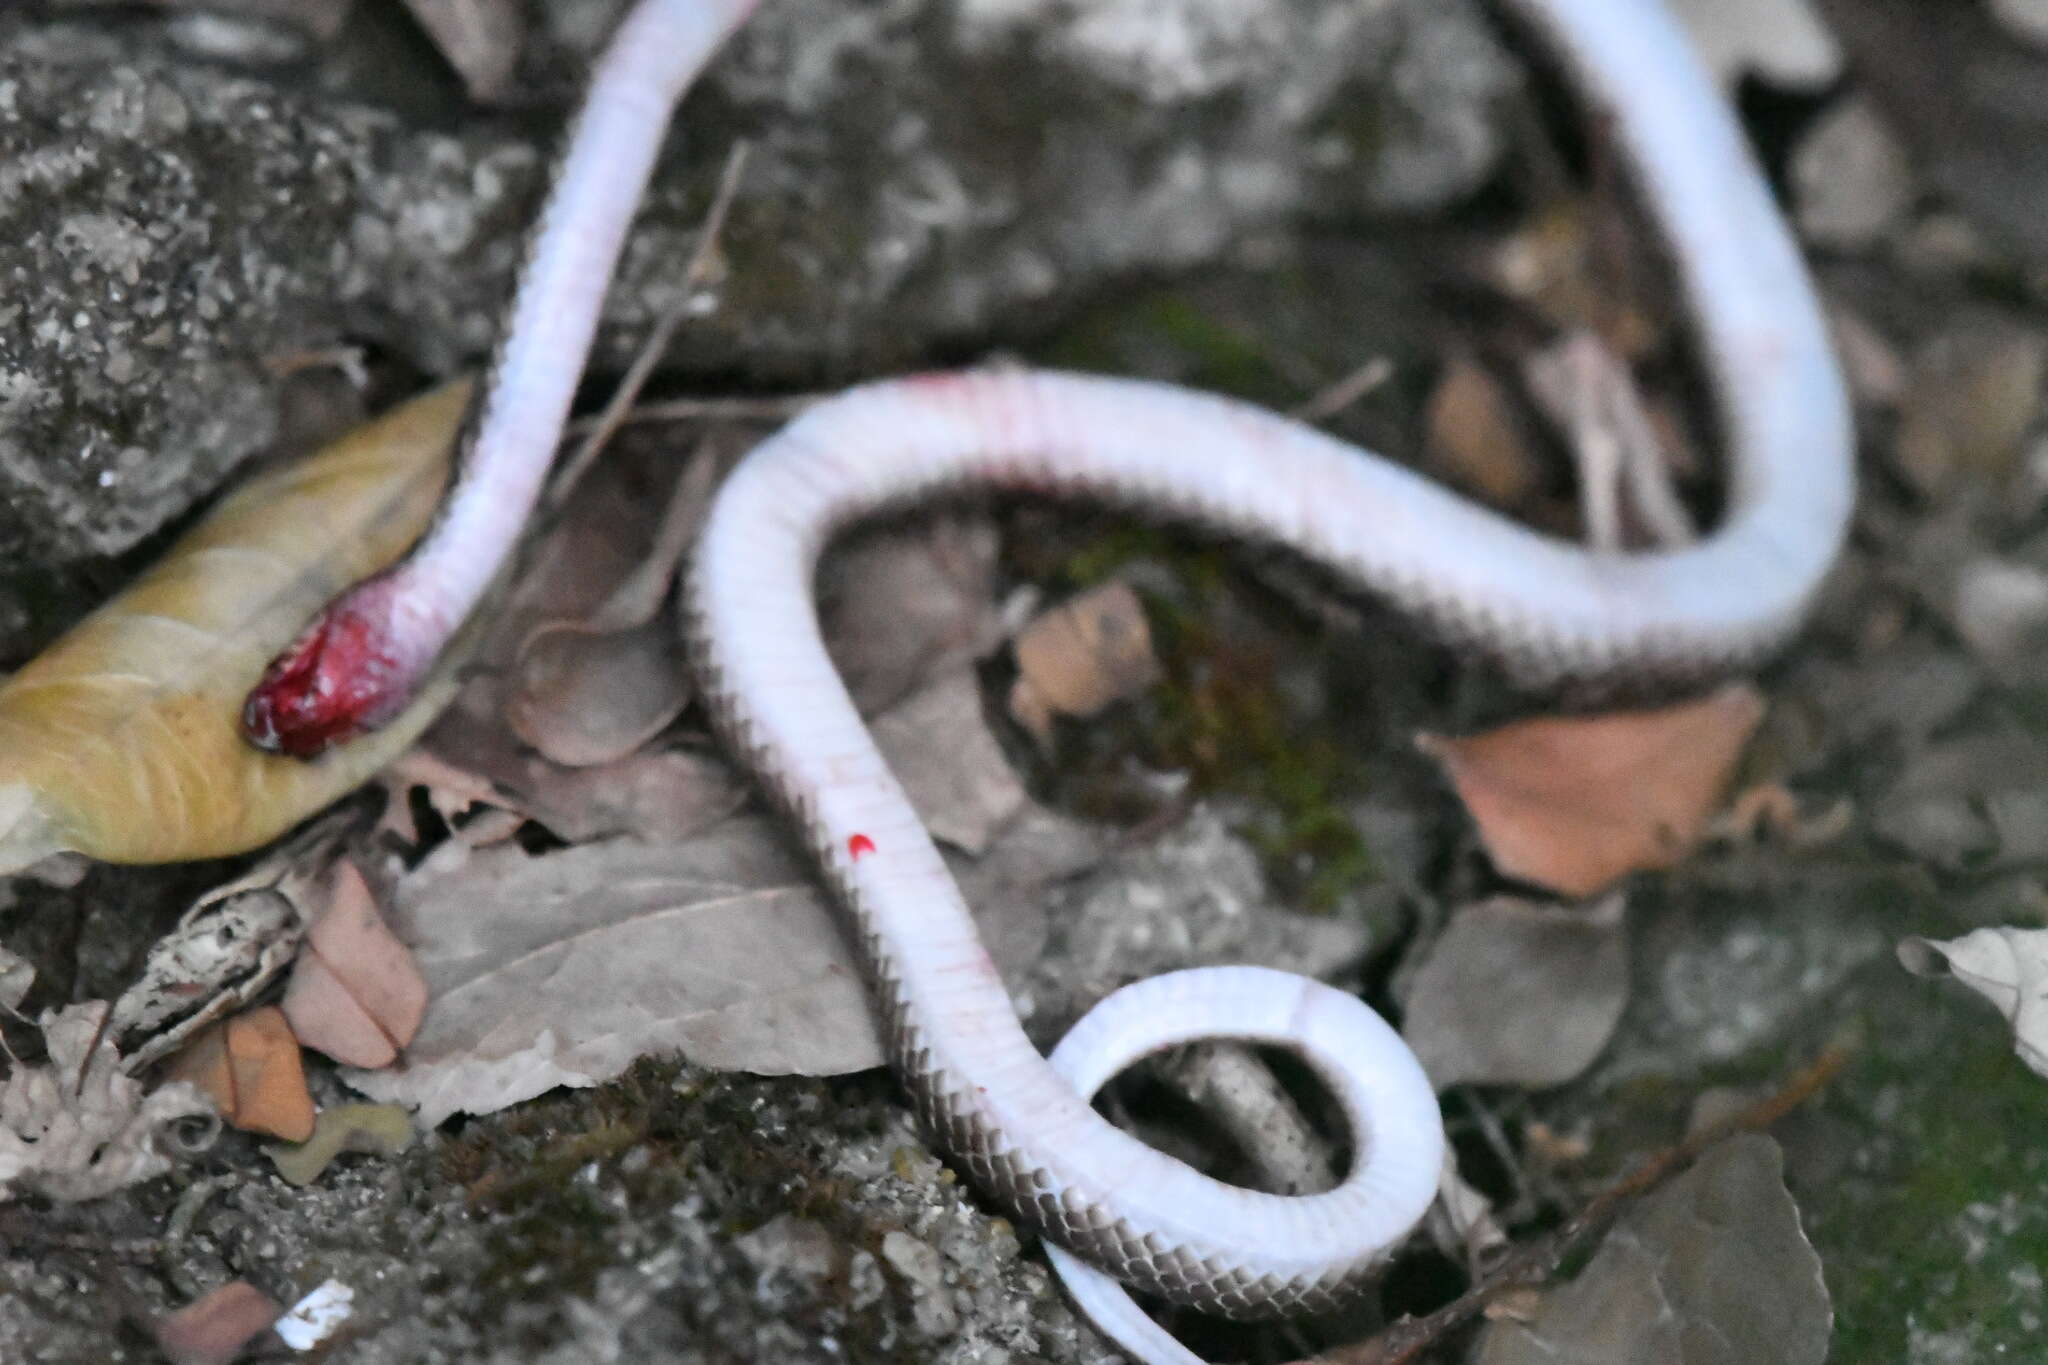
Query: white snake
1552	611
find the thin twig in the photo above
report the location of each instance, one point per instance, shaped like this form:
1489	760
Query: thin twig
1532	1265
1329	402
651	352
773	409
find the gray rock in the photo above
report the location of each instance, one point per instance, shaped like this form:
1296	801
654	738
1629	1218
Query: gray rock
927	174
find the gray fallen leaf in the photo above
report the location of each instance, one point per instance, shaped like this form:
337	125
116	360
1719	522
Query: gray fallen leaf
563	969
1519	993
940	747
1783	41
2008	967
1971	802
899	605
1851	181
1712	1269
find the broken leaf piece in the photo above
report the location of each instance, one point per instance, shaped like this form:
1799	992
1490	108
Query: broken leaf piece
381	1129
78	1128
1712	1269
940	748
1081	656
563	969
1516	993
119	741
2008	967
249	1065
1574	803
898	605
355	993
217	1327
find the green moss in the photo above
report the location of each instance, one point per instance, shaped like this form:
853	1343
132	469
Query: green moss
1165	332
1220	715
1936	1230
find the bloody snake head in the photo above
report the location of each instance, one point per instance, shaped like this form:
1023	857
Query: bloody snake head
342	677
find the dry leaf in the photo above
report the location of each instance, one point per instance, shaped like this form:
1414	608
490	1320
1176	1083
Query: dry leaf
1783	41
480	39
1081	657
940	748
1516	993
120	740
1475	437
897	606
215	1328
593	688
584	697
380	1129
1574	803
563	969
2007	966
249	1065
355	993
1712	1269
79	1128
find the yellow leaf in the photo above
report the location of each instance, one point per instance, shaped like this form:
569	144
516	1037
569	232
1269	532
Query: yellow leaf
120	740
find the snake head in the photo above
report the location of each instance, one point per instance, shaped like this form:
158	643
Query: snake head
346	674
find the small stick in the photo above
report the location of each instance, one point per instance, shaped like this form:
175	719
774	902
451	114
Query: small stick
615	409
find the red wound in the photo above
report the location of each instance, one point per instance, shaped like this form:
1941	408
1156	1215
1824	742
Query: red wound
859	844
333	683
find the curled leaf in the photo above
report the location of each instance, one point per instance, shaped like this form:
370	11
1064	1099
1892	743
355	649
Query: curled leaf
120	740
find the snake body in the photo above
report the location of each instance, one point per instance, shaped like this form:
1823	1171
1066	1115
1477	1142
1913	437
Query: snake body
1020	1123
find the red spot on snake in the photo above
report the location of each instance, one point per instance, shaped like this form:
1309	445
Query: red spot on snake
338	680
859	844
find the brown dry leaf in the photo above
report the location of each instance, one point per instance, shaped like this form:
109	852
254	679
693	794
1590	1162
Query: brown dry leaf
563	969
1082	656
591	689
899	605
480	39
658	796
217	1327
1517	993
249	1066
1574	803
120	740
355	992
1475	437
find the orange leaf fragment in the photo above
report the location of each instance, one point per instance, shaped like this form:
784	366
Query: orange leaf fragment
1082	656
1574	803
355	992
249	1065
217	1327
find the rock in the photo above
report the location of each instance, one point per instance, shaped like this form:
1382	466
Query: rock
925	171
